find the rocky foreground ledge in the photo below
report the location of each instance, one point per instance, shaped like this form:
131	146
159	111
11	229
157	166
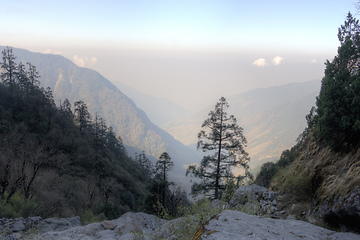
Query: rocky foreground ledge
229	224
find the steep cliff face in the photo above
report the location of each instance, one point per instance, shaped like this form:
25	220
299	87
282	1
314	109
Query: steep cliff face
326	182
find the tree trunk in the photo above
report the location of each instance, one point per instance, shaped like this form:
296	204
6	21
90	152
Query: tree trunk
219	156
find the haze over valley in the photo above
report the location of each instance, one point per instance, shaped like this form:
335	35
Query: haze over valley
165	119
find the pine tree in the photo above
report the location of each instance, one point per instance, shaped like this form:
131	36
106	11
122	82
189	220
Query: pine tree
82	115
9	66
224	140
163	166
338	104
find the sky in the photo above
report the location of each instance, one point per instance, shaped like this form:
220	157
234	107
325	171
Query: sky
189	51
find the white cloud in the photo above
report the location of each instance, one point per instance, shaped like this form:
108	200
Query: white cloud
313	61
79	61
49	51
261	62
84	60
277	60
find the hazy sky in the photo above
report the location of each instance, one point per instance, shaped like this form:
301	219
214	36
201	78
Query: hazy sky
190	51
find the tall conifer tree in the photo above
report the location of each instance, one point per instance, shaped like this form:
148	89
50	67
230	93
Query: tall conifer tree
338	104
224	140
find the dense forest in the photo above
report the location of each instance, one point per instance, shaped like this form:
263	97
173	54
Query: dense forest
60	161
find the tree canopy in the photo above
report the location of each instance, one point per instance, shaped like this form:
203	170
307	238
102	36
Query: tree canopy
338	104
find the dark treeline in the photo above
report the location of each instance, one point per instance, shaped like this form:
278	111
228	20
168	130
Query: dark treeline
59	161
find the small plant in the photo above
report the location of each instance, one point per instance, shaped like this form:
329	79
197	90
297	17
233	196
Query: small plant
87	217
16	206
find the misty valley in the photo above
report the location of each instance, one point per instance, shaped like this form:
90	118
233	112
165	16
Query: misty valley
84	158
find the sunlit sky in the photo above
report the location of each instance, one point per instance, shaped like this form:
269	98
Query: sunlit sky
190	51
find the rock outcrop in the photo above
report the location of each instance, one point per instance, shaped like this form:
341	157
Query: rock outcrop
256	200
343	211
238	225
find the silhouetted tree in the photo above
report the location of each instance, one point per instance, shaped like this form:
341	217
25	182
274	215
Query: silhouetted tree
145	163
33	76
82	115
65	108
163	166
9	66
224	140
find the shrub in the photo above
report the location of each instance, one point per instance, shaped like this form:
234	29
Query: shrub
17	206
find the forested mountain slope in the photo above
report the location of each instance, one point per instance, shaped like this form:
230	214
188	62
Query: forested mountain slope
49	166
102	98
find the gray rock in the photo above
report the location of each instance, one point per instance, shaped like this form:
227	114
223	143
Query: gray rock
74	221
131	227
108	225
227	225
343	211
237	225
105	234
58	224
18	226
291	217
218	204
249	193
269	195
273	209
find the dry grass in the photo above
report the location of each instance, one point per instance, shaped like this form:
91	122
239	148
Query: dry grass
320	172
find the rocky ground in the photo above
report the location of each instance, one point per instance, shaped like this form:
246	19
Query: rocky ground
255	214
229	224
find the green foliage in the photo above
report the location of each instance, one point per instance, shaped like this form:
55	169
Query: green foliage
299	185
224	140
16	206
147	167
64	168
163	166
338	104
87	217
162	201
269	170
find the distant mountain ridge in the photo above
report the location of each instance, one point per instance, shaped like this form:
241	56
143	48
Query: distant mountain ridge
75	83
272	119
